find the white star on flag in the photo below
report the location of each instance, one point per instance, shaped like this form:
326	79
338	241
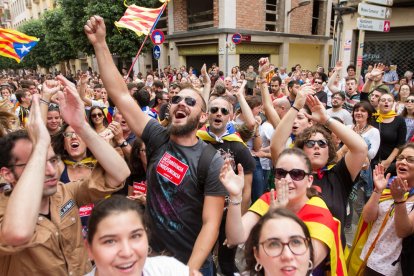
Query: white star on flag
24	49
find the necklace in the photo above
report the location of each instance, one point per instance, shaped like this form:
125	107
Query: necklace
362	130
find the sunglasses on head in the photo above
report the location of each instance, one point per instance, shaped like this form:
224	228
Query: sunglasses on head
295	174
188	100
311	143
214	110
97	115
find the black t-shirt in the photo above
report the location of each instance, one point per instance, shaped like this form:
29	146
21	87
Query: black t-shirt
238	152
336	185
322	96
174	198
392	136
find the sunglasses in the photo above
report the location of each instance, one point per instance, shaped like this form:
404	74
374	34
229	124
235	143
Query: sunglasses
214	110
410	101
188	100
318	82
97	115
311	143
295	174
69	134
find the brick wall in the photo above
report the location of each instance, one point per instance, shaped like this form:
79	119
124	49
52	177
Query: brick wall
301	19
251	15
216	13
180	16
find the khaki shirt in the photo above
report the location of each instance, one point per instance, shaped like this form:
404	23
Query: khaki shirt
57	246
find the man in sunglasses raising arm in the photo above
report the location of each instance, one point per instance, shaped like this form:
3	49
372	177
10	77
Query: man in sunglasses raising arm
184	215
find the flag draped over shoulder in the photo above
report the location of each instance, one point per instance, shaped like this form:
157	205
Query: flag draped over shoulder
139	19
15	45
322	226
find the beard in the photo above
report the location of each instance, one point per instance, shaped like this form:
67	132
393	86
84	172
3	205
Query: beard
191	125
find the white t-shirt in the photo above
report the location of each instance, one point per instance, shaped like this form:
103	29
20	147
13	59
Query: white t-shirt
342	114
160	265
266	130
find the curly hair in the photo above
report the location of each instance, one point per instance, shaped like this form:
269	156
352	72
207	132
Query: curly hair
58	142
252	242
307	134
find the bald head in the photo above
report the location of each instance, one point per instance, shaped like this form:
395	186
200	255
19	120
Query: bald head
281	106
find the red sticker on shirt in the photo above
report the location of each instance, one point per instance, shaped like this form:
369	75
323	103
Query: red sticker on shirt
140	187
172	168
86	210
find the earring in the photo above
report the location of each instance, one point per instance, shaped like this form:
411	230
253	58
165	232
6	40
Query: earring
258	267
310	265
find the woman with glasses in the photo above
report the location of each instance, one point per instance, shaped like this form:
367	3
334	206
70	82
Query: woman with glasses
401	98
293	178
99	122
389	213
408	115
393	132
334	179
279	244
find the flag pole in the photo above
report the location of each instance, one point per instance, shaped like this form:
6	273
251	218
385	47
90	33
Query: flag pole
146	37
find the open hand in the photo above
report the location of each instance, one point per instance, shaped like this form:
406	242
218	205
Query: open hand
398	189
318	110
232	182
380	182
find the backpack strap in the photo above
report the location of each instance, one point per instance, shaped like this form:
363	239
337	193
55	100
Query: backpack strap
204	162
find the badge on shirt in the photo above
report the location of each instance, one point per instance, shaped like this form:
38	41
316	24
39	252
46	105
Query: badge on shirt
172	168
67	207
140	187
86	210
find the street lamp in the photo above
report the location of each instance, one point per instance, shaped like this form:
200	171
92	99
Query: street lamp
300	4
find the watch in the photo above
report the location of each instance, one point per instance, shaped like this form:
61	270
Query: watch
123	144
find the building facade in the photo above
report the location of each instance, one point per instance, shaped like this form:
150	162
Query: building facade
200	32
394	47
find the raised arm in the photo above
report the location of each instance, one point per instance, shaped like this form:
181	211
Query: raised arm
358	150
19	221
284	129
404	222
331	86
206	82
248	116
84	79
114	83
72	111
375	77
270	112
49	89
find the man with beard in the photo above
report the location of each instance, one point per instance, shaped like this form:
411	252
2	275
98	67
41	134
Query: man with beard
184	215
337	111
275	90
221	133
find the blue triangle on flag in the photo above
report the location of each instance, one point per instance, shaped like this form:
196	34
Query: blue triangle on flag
22	49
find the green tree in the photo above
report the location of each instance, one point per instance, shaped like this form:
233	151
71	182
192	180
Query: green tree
40	54
57	37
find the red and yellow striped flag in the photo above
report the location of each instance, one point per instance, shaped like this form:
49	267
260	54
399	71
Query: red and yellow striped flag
16	45
139	19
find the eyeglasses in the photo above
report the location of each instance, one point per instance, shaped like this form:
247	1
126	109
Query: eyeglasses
97	115
410	101
188	100
54	161
311	143
273	247
409	159
295	174
214	110
69	134
317	82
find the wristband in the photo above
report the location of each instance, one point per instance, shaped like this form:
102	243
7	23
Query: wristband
233	202
375	191
295	108
399	202
44	101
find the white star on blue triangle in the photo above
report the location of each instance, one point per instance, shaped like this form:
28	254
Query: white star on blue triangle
22	49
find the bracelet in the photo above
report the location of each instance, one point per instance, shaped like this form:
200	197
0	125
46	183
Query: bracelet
233	202
328	122
399	202
295	108
375	191
44	101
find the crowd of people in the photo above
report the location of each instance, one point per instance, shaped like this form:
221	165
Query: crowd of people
175	171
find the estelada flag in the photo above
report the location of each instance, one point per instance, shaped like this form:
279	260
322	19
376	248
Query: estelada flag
15	45
139	19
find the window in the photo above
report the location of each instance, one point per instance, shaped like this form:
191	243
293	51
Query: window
200	14
271	15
